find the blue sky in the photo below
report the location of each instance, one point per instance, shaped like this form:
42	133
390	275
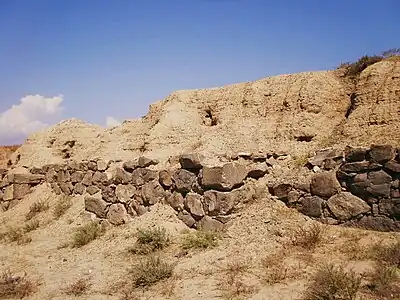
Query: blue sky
114	58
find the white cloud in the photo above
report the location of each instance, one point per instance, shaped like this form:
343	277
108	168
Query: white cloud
33	113
112	122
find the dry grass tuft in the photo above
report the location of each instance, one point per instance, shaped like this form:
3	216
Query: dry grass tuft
78	288
15	234
61	207
309	237
232	283
274	268
384	281
333	283
12	286
31	226
200	240
36	208
150	240
87	233
388	254
150	271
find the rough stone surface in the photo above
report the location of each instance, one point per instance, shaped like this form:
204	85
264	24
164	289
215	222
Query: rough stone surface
191	161
393	166
91	190
87	178
184	180
258	170
218	203
117	214
345	206
293	196
79	189
223	178
97	206
379	190
152	193
121	176
311	206
193	204
281	191
379	177
77	176
124	193
165	179
325	184
102	165
381	153
176	201
144	162
25	178
208	224
186	218
355	154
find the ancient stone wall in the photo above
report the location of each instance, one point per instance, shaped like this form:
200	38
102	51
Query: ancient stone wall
354	187
202	196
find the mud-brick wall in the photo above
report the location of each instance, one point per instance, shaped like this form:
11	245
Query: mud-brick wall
364	190
202	196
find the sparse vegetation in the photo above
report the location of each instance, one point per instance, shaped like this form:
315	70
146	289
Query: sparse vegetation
32	225
301	160
150	240
150	271
232	283
388	254
274	268
353	70
309	237
78	288
384	281
61	207
13	286
15	234
87	233
200	240
333	283
36	208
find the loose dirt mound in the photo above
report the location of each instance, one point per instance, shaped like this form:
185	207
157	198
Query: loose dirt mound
299	112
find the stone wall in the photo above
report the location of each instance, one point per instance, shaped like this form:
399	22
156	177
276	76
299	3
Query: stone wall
202	196
354	187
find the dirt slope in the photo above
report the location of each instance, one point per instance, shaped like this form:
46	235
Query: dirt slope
299	112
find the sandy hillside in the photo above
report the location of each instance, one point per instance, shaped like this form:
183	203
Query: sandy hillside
292	113
267	250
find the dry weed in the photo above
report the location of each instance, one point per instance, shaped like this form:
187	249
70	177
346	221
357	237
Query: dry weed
12	286
388	254
31	226
150	271
78	288
333	283
61	207
150	240
87	233
200	240
384	281
36	208
309	237
274	269
232	283
15	234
